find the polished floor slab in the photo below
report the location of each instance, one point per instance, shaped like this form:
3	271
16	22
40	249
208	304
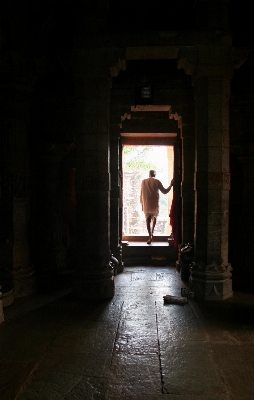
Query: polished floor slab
133	346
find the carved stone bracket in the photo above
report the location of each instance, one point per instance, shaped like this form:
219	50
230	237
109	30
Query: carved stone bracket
217	60
120	65
123	118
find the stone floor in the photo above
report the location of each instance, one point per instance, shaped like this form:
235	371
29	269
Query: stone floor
133	346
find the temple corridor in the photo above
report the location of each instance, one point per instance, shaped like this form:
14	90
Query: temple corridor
133	346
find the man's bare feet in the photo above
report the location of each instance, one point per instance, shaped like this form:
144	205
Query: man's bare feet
150	239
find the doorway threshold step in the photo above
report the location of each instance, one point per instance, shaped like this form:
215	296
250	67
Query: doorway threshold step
141	253
159	260
137	261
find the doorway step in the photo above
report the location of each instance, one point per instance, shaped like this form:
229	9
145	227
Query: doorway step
141	253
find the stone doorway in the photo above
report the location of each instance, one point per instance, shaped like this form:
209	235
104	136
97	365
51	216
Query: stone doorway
137	161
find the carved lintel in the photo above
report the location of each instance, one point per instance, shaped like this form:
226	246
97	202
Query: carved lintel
152	52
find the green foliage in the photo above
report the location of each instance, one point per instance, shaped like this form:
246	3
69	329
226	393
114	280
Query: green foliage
136	158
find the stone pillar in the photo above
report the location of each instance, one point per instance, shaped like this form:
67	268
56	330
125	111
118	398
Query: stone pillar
187	187
23	271
187	196
211	274
15	178
115	196
49	212
93	277
211	68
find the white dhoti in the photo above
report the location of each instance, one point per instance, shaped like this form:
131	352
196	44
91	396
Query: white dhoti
149	196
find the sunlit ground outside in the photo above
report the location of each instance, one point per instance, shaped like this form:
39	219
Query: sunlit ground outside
137	161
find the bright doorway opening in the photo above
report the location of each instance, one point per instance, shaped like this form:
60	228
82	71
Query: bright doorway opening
137	160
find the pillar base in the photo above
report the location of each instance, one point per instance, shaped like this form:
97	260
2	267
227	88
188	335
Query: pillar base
24	283
6	297
213	283
94	286
117	252
185	272
120	267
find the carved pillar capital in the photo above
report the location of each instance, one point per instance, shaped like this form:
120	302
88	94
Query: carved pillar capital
213	60
117	60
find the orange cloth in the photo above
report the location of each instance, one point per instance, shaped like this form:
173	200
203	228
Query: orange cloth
173	220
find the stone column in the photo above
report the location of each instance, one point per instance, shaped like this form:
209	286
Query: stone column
211	68
187	196
211	274
15	178
23	271
115	196
187	188
93	278
49	212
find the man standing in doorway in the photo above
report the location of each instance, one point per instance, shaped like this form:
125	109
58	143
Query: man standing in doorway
149	199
